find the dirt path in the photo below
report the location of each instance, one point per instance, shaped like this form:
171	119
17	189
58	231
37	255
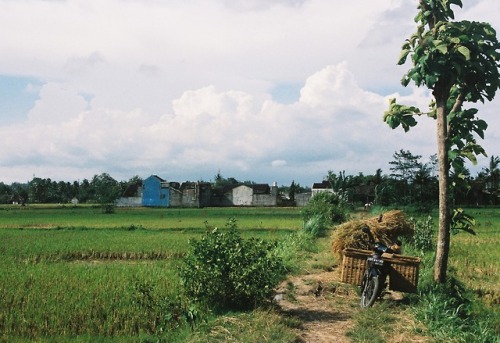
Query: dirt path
325	308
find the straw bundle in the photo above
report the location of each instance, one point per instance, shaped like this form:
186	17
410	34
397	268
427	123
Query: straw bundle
385	228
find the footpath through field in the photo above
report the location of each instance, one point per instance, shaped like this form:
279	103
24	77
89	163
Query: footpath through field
328	310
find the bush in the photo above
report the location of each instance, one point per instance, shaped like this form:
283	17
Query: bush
329	206
424	232
316	225
294	248
228	272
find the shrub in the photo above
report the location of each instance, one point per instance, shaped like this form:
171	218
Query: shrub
316	225
329	206
293	248
424	232
228	272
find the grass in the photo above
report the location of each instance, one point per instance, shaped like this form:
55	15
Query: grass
257	326
65	216
74	274
77	274
70	299
475	259
465	309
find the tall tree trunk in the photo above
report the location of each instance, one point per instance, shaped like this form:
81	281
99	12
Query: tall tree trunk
443	240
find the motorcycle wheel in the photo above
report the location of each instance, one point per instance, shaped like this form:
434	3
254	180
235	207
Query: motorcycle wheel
370	291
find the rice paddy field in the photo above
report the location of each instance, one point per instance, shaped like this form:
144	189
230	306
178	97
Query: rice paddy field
73	273
476	258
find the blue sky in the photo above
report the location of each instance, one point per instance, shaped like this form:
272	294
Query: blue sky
262	90
17	97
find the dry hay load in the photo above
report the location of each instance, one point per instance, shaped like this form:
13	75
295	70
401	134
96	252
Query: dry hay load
386	228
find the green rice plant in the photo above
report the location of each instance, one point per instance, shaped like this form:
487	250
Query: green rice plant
73	274
475	258
34	246
57	299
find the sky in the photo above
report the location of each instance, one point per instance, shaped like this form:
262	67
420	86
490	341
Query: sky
259	90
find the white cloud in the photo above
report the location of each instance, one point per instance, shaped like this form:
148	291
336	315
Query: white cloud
57	103
332	124
182	89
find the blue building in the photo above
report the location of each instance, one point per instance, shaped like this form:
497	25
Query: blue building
155	192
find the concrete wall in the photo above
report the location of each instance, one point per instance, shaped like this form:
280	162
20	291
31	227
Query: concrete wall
301	199
129	202
265	200
242	196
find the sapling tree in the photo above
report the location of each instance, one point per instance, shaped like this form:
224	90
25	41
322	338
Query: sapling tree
458	61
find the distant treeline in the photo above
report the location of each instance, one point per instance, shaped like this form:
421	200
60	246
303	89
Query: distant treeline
411	183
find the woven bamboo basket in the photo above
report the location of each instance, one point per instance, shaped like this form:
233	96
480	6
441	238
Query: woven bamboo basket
354	265
403	270
403	273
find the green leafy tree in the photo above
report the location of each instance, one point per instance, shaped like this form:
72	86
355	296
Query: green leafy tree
405	167
85	191
5	193
221	182
459	62
422	185
292	191
107	190
491	175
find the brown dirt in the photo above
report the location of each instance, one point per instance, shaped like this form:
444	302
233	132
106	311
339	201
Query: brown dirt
325	307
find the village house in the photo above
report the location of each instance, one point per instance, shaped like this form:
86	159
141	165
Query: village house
158	192
323	186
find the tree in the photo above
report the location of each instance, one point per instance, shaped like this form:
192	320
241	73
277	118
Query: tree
107	190
492	177
459	62
405	165
423	183
221	182
5	193
404	168
292	191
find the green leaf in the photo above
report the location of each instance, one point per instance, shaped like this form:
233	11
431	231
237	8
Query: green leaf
403	56
443	48
464	51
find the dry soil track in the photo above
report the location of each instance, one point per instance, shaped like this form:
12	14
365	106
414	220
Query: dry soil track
326	309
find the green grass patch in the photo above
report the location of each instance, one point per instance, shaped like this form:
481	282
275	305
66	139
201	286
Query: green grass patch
255	326
65	216
71	274
465	309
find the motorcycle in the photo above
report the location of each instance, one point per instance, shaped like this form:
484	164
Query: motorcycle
374	278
